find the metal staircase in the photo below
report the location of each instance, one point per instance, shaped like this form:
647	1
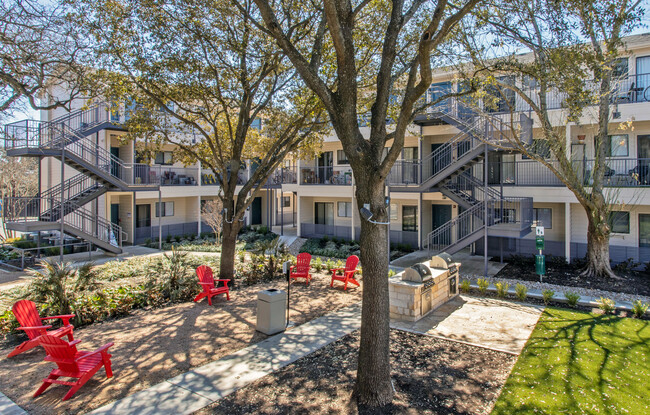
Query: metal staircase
456	169
68	139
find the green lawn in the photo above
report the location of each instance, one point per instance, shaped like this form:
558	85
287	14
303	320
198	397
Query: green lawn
582	363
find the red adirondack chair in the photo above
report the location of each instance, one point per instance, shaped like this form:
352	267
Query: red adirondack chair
348	272
72	364
302	267
207	281
27	315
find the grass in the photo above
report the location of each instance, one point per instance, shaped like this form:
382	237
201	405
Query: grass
578	362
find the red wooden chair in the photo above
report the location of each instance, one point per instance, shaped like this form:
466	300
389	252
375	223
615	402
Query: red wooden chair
27	315
348	272
207	281
302	267
72	364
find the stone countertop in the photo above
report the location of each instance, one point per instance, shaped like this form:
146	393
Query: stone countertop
397	279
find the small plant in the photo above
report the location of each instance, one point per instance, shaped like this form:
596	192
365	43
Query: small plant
547	296
502	289
241	255
521	291
329	264
391	273
178	238
571	298
464	286
168	239
147	242
606	304
317	264
639	308
483	285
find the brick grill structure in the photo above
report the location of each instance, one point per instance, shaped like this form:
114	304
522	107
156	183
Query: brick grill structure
410	301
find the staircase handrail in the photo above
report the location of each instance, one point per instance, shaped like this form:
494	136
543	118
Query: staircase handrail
31	209
73	187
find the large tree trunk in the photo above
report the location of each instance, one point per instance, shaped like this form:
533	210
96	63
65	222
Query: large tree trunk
228	247
374	386
598	239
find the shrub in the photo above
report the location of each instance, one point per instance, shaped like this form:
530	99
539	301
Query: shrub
317	264
168	239
571	298
147	241
502	289
639	308
606	304
464	286
547	296
178	238
483	285
391	273
521	291
329	264
626	266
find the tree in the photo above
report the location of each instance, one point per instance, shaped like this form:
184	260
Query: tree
18	178
212	214
367	57
201	76
38	53
574	46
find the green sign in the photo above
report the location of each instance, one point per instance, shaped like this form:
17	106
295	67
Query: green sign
540	265
539	242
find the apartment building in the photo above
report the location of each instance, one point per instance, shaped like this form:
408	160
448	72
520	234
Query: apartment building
450	189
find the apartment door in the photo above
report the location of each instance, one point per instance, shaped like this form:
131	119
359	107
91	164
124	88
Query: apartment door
410	157
643	155
578	160
115	213
642	76
440	215
115	167
644	231
325	166
143	216
256	211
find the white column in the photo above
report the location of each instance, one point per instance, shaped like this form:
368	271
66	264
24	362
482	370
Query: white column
199	174
567	231
299	231
198	198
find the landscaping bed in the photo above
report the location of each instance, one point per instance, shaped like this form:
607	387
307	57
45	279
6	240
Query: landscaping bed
430	375
155	344
559	273
341	248
579	362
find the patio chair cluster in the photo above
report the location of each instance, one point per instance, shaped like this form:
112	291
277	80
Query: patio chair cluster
302	269
70	362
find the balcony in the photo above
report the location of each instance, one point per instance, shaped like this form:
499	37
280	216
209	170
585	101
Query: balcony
631	172
337	176
165	175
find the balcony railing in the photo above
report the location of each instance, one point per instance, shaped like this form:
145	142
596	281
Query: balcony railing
326	175
630	172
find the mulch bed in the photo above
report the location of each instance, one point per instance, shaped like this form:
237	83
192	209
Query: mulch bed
430	375
631	282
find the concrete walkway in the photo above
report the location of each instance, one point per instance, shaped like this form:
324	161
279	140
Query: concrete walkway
486	322
7	407
206	384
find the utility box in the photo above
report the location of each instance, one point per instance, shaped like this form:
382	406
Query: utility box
271	311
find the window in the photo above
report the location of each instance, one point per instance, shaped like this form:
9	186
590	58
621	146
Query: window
286	201
164	157
617	146
529	82
410	153
256	124
168	209
393	211
541	147
620	68
619	222
324	213
409	218
341	158
543	217
345	209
